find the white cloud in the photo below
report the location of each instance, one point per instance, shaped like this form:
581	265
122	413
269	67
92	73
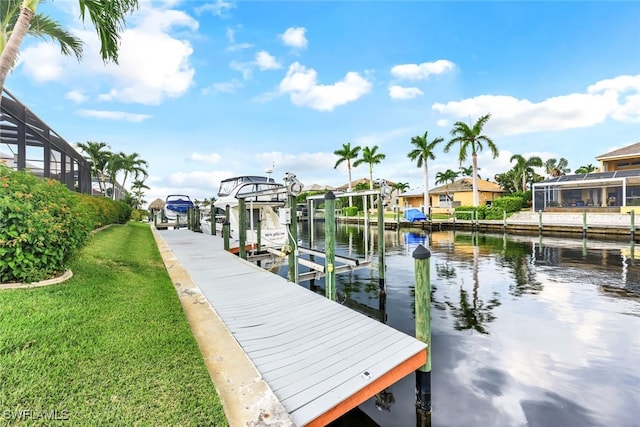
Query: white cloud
230	86
76	96
243	67
265	61
399	92
208	158
233	46
302	86
202	178
294	37
218	8
43	62
298	163
422	71
617	99
115	115
153	64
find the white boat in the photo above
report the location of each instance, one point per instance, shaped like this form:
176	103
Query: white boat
176	207
263	197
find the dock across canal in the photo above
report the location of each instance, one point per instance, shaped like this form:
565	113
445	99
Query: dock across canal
275	350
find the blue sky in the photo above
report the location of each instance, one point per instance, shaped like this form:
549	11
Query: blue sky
208	90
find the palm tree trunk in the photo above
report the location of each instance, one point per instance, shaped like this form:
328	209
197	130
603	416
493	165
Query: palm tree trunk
349	184
10	52
426	188
474	158
524	181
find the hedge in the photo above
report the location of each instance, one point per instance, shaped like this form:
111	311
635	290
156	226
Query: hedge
43	225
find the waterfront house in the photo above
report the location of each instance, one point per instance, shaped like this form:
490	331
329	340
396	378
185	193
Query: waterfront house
445	198
614	188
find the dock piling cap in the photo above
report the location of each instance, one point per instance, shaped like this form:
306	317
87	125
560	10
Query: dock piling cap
330	196
421	253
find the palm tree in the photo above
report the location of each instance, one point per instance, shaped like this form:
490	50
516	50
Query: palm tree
114	166
132	163
41	26
107	18
94	152
524	167
557	168
347	153
421	155
372	157
137	187
471	138
446	177
468	171
586	169
400	186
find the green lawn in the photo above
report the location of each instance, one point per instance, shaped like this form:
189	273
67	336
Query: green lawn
109	346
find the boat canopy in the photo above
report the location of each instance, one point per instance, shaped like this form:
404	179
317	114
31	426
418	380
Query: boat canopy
228	185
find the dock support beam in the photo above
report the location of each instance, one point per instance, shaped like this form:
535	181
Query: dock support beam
330	245
422	258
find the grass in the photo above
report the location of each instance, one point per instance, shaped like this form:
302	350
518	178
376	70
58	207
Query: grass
109	346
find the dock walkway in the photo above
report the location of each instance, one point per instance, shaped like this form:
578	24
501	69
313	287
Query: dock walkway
319	358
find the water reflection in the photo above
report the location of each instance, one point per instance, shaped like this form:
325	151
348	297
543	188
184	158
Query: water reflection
525	331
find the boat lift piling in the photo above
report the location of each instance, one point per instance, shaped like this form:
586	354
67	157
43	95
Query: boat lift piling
293	238
226	228
422	258
330	245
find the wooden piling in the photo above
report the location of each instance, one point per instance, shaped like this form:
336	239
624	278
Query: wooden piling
213	220
422	258
330	245
632	212
293	239
242	227
381	245
226	228
259	234
584	224
540	222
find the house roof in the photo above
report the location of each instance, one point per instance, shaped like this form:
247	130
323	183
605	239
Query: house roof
628	151
344	187
466	184
460	186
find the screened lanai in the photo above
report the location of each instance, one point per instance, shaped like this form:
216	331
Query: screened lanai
609	190
27	143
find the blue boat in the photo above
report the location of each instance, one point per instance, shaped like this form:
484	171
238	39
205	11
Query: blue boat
176	207
414	215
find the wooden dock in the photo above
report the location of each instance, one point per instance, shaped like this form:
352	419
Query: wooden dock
320	359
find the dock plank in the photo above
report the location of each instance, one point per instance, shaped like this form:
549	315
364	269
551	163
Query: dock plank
320	358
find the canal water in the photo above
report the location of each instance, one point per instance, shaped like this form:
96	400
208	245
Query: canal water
526	331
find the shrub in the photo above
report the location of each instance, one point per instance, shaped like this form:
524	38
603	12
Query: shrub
42	226
139	215
351	211
509	203
104	211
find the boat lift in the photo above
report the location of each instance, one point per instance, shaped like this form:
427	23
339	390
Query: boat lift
292	189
